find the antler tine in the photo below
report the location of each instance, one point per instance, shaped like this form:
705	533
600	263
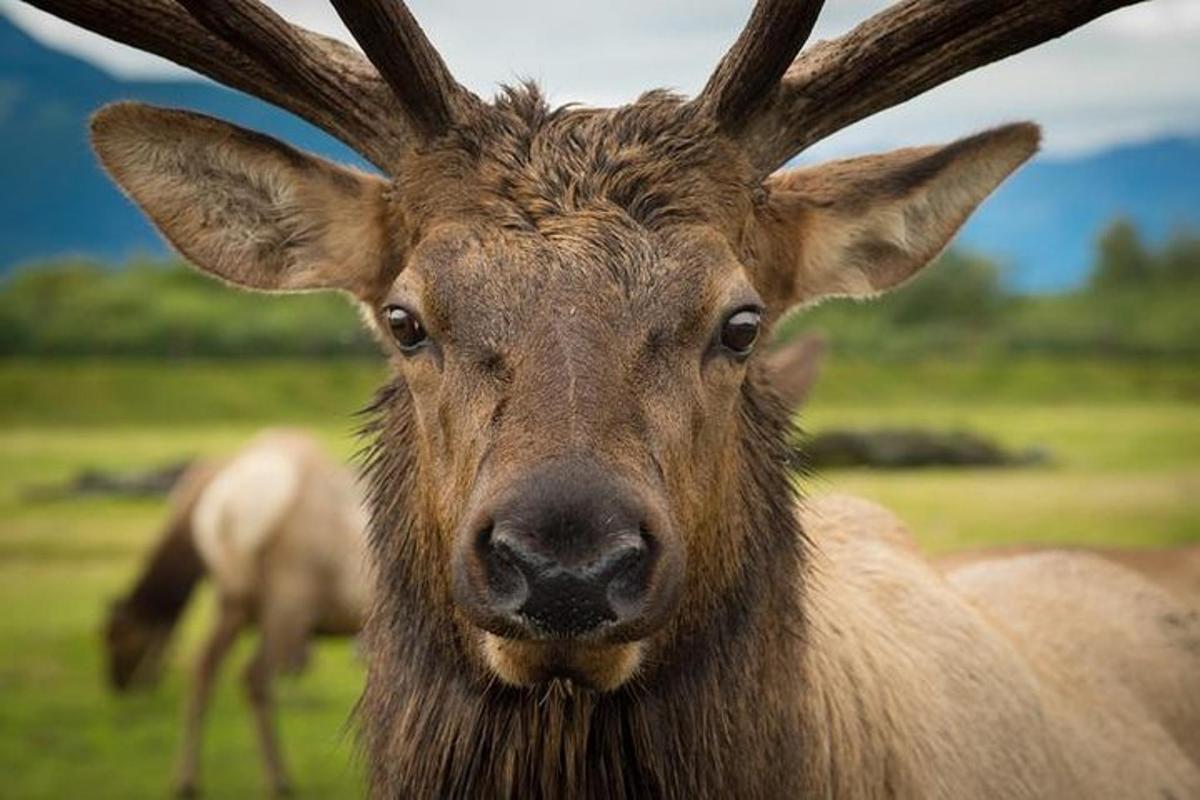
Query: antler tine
899	53
313	76
750	72
396	45
302	62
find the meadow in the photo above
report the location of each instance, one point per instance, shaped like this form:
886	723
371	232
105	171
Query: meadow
1124	439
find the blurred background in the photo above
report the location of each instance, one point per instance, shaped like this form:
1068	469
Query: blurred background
1040	383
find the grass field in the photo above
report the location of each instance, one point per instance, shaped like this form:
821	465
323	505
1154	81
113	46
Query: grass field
1125	441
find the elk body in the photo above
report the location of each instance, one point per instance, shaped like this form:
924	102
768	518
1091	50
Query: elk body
280	531
1176	569
592	577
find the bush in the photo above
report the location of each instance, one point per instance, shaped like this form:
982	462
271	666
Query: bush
1179	261
1122	258
961	288
165	310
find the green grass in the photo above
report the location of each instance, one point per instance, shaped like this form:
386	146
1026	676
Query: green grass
1122	473
82	392
148	391
1125	440
61	733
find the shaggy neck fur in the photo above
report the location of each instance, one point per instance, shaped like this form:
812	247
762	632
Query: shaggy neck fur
711	718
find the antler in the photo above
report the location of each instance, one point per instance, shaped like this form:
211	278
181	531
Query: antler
899	53
246	45
395	43
775	109
750	71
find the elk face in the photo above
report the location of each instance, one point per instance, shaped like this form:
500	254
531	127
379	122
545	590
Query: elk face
134	647
574	353
571	301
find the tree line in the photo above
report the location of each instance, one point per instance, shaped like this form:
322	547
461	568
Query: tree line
1124	260
1139	300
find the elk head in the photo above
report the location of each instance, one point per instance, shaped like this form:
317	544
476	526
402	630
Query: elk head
578	429
134	646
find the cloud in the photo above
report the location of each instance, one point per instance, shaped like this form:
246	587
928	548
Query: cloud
1130	75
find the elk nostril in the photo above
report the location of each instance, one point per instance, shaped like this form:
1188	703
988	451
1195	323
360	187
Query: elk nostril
483	535
649	540
620	560
628	573
506	582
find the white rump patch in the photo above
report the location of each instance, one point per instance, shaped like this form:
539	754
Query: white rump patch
239	511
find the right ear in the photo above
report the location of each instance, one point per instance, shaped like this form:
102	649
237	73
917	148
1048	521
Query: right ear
244	206
862	226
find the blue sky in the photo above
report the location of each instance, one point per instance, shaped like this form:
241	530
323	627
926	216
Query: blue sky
1130	76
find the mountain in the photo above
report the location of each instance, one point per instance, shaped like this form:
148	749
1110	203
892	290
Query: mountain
57	202
1043	222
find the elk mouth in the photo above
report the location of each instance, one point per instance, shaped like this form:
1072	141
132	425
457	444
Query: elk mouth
601	667
593	650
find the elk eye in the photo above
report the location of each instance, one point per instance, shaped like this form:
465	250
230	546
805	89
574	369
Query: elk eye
406	329
740	331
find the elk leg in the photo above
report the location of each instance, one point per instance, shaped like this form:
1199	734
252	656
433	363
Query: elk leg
283	631
231	616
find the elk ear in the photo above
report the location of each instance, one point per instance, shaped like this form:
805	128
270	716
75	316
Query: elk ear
859	227
793	367
242	205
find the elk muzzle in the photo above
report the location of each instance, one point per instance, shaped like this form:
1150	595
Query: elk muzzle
571	560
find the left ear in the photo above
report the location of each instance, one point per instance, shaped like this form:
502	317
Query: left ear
862	226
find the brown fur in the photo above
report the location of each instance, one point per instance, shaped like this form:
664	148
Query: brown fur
573	268
1055	675
305	573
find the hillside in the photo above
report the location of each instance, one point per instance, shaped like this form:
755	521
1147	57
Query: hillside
57	202
1044	221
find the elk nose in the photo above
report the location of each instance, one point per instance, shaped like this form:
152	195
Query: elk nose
568	550
564	598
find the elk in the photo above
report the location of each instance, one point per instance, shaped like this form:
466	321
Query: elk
291	562
592	579
1176	569
280	529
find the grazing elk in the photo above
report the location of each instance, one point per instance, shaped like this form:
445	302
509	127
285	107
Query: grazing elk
592	579
281	532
